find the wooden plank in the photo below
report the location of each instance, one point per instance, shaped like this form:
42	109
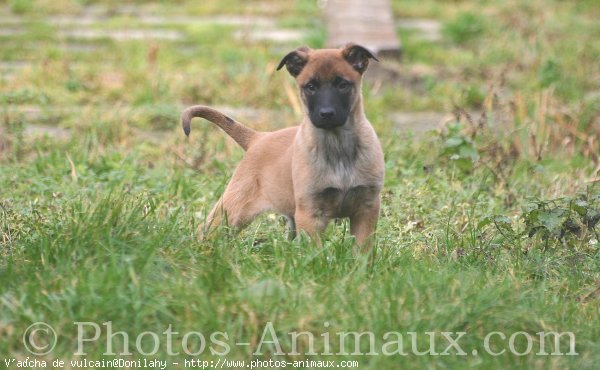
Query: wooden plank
369	23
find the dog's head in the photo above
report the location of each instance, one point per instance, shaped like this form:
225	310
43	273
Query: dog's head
329	81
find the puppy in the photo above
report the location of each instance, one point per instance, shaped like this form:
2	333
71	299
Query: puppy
330	166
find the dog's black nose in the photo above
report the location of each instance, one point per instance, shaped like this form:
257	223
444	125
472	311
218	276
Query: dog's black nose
327	112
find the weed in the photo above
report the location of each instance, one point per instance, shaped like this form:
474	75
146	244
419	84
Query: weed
550	73
465	28
458	148
565	219
20	6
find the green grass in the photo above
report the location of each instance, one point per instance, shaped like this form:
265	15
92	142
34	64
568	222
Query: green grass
483	229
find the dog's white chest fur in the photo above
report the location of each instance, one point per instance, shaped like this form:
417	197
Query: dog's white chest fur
343	184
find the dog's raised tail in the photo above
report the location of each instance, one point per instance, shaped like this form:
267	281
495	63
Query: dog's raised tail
241	134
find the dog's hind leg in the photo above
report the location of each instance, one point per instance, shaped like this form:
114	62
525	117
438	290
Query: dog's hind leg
215	218
236	209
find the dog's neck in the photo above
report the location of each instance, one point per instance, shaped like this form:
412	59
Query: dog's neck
338	146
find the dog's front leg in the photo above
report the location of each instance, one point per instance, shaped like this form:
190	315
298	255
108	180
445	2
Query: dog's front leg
291	226
362	226
311	225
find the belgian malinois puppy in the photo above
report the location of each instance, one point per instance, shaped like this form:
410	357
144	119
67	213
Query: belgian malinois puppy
330	166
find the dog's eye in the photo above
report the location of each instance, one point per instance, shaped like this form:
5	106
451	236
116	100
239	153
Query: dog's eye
310	88
344	86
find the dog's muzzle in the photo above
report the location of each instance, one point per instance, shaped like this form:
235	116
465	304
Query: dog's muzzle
327	118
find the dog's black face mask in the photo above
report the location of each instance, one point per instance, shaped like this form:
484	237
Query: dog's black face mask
328	102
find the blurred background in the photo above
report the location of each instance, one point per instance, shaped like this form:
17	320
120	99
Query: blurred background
115	67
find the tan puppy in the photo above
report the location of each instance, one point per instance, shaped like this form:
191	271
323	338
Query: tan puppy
331	166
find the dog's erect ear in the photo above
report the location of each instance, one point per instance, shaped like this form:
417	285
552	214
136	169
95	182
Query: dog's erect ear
358	56
295	61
